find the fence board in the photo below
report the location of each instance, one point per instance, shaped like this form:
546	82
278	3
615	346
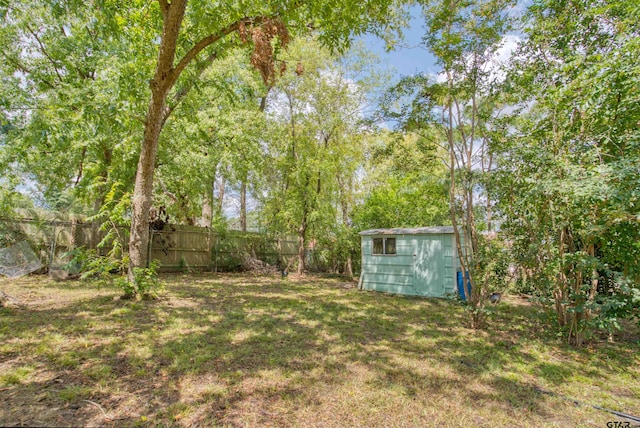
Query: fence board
177	247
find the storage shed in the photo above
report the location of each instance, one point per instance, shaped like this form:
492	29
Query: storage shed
417	261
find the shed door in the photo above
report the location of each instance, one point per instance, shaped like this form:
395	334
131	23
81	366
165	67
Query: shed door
429	266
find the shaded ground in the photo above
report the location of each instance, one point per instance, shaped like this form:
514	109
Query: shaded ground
240	350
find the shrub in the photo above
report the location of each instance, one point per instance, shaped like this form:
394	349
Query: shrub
109	268
91	265
146	283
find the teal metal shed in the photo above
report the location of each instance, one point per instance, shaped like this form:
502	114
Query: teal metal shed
417	261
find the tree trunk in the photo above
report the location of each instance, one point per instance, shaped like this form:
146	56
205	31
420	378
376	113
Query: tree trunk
99	201
94	239
221	185
166	74
561	310
467	244
207	208
162	82
302	232
489	209
562	286
243	206
348	266
143	190
593	290
489	226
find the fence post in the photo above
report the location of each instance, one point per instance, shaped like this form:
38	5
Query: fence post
215	252
150	246
52	247
209	249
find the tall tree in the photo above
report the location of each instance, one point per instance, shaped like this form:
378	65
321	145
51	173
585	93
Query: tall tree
215	135
317	122
71	116
567	180
192	29
464	37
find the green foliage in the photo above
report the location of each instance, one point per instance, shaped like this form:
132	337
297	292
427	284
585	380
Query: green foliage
10	199
10	234
92	266
112	269
183	265
620	303
315	146
406	185
491	264
403	202
69	117
492	274
112	217
216	136
146	283
457	114
334	252
229	255
565	184
75	90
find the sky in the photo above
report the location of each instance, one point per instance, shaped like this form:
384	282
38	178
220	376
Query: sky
408	57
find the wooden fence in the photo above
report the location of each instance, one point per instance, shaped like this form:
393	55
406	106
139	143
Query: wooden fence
183	247
178	248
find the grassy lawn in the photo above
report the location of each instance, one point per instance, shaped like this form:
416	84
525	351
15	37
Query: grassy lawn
240	350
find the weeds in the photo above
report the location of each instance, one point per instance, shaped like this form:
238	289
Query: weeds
112	269
244	350
146	283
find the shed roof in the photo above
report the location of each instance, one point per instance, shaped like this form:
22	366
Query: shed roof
431	230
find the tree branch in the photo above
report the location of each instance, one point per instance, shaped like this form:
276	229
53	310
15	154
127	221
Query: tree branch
209	40
164	7
166	191
45	53
24	69
84	153
184	91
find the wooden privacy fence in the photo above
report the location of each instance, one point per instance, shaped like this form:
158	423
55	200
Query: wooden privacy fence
187	247
178	248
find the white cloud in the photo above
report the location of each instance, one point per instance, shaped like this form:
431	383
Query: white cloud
495	65
502	56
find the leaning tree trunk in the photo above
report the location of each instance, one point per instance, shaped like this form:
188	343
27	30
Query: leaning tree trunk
143	190
162	82
166	74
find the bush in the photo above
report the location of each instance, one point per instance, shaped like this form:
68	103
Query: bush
146	283
491	265
91	265
622	303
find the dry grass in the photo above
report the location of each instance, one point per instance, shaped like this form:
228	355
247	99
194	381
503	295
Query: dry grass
239	350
